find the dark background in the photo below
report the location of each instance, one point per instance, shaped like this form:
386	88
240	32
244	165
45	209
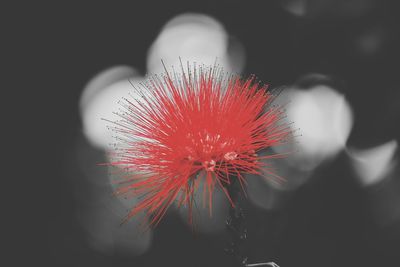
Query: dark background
56	47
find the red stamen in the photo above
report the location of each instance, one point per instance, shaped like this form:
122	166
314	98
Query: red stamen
201	126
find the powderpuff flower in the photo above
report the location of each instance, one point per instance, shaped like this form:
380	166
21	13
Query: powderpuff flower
179	129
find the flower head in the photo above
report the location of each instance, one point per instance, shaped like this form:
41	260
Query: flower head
196	125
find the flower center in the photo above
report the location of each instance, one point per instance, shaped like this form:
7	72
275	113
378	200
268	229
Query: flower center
209	165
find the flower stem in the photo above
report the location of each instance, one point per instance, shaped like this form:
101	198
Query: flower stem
236	226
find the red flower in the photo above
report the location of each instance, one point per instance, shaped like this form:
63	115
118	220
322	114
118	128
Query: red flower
184	128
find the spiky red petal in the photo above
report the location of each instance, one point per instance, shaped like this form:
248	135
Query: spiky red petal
201	124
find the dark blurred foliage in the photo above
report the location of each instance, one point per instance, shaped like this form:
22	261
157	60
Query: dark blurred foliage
55	47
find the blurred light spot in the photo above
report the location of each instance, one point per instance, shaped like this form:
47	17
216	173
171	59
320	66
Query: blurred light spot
371	41
101	106
296	7
103	79
373	164
336	9
262	194
323	120
192	37
268	192
100	213
236	55
102	221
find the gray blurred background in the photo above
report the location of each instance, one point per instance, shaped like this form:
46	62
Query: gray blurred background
339	63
